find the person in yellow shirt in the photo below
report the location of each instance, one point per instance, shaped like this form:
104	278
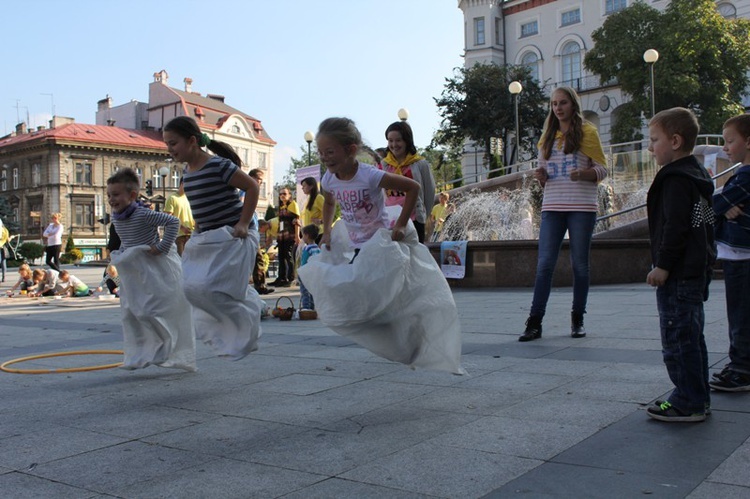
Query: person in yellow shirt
312	213
178	206
288	237
437	216
4	238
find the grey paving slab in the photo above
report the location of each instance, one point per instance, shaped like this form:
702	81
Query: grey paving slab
22	486
223	478
442	471
311	414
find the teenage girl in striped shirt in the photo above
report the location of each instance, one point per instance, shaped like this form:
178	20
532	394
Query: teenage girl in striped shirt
218	260
571	164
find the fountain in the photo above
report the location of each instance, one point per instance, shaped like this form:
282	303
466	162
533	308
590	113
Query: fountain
500	220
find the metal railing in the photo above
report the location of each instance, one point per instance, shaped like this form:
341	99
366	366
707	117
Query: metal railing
643	205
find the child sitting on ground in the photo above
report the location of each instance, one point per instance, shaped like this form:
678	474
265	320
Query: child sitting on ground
25	282
72	286
307	304
46	282
111	279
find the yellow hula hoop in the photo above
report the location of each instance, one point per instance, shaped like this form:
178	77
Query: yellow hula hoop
3	366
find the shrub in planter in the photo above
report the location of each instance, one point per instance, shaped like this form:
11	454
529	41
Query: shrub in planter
31	251
75	255
65	259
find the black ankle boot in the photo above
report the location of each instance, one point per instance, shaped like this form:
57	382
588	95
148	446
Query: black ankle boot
576	325
533	329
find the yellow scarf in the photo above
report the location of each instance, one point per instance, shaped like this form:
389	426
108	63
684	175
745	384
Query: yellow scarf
408	160
591	146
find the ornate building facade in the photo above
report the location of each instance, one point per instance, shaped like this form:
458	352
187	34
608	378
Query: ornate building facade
64	168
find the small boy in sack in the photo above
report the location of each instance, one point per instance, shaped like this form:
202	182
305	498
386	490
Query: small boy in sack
307	304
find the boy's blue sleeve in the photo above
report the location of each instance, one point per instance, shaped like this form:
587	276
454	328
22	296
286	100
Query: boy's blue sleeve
735	192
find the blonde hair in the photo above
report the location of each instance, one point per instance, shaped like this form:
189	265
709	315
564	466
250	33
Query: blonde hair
112	270
24	269
37	275
678	121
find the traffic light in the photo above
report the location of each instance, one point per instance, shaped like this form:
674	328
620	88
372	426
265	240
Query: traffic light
104	220
149	188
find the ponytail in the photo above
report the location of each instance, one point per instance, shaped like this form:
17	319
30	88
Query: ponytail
186	127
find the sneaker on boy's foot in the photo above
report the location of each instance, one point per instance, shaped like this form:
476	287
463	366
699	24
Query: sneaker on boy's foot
669	413
726	370
708	406
731	382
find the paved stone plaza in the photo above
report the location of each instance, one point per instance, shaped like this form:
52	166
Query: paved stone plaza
312	415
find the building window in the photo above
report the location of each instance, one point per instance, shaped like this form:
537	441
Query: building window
36	174
612	6
83	173
571	64
156	178
479	31
727	10
15	214
15	178
530	28
262	160
531	61
84	214
175	178
570	17
139	173
5	180
35	219
498	31
236	129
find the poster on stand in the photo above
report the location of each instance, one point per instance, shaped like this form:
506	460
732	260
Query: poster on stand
453	259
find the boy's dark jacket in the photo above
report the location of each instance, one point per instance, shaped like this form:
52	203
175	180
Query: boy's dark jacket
681	218
736	232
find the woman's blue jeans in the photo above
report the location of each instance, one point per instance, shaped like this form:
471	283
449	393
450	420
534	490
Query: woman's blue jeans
580	228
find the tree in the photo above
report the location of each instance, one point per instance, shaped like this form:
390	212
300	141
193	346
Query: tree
476	104
446	165
702	63
290	178
6	215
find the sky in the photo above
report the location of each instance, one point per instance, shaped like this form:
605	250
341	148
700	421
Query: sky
288	63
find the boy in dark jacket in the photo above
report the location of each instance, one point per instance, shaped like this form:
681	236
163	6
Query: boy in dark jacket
731	206
680	220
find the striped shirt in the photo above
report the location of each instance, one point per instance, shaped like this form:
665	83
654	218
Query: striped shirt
563	194
213	201
108	276
141	228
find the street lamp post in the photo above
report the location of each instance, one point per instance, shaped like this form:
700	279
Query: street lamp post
163	172
650	57
515	88
309	138
403	114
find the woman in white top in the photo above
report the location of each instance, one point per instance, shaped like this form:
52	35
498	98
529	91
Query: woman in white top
53	241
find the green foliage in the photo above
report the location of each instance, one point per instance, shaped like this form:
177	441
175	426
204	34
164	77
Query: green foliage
65	258
31	251
446	165
477	104
290	178
702	63
6	214
70	244
75	254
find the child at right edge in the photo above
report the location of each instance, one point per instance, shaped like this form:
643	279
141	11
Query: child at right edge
680	223
731	206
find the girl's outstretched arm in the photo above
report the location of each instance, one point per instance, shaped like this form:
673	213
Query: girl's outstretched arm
411	188
245	182
329	209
